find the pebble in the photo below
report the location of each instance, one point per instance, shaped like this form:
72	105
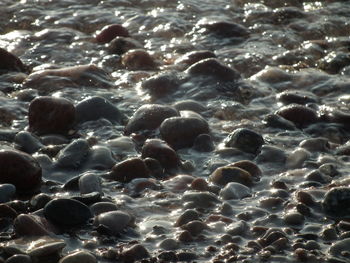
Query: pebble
67	212
199	184
245	140
20	169
225	29
149	117
73	155
138	59
102	207
315	145
7	212
293	218
39	201
10	62
194	56
161	151
29	225
335	203
103	108
135	253
161	84
200	199
185	236
203	143
129	169
179	183
169	244
195	227
27	142
187	216
341	248
120	45
19	258
296	96
297	158
100	158
78	256
271	154
226	174
7	192
180	132
235	191
190	105
89	182
109	32
300	115
45	246
50	115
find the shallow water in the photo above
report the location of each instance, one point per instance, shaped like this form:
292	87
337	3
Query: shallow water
290	45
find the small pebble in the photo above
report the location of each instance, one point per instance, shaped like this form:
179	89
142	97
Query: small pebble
138	59
78	256
245	140
109	32
129	169
114	221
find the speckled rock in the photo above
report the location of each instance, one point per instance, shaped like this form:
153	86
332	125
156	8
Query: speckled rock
102	108
7	191
19	169
119	45
67	212
78	257
138	59
149	117
10	62
336	203
235	191
226	174
50	115
129	169
245	140
180	132
109	32
114	221
300	115
74	154
161	151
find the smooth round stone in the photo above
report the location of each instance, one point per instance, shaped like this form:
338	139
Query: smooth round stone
109	32
199	184
29	225
226	174
161	84
225	29
54	139
102	207
119	45
100	158
293	218
67	212
74	154
315	145
169	244
89	183
180	132
276	121
7	191
114	221
190	105
134	253
102	108
121	145
296	96
44	248
245	140
194	56
19	169
51	115
200	199
161	151
300	115
10	62
149	117
336	203
211	67
79	257
235	191
271	154
250	167
340	248
138	59
129	169
7	212
179	183
187	216
203	143
19	258
296	158
26	142
195	227
39	201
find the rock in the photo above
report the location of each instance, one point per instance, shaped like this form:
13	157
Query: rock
7	212
179	183
121	145
340	248
138	59
161	151
109	32
45	246
149	117
51	115
100	158
29	225
39	201
296	96
225	29
134	253
7	191
276	121
335	203
128	170
200	199
102	108
195	227
194	56
102	207
250	167
120	45
293	218
271	154
114	221
199	184
89	183
316	145
19	169
235	191
161	84
300	115
10	62
27	142
203	143
19	258
79	256
190	105
67	212
180	132
226	174
169	244
213	68
74	154
187	216
245	140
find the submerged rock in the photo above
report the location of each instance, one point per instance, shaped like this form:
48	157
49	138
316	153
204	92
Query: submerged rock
128	170
336	203
245	140
114	221
161	84
138	59
79	256
109	32
10	62
226	174
300	115
120	45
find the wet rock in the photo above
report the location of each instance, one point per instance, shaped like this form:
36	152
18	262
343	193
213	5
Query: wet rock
39	201
276	121
7	212
161	84
138	185
154	167
195	227
296	158
300	115
19	258
27	142
10	62
203	143
149	117
114	221
335	203
226	174
189	105
161	151
169	244
79	256
296	96
120	45
200	199
293	218
19	169
129	169
50	115
187	216
135	253
194	56
225	29
235	191
73	155
250	167
180	132
199	184
185	236
186	256
341	248
109	32
29	225
100	158
7	191
271	154
102	207
245	140
45	246
102	108
333	63
138	59
179	183
315	145
213	68
89	183
67	212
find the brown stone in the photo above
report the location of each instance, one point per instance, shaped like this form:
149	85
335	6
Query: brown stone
128	170
109	32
